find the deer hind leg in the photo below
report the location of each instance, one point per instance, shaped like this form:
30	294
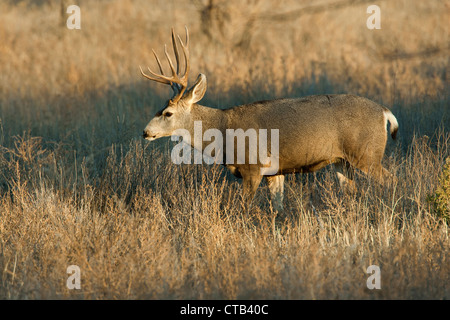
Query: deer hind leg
375	169
346	175
276	187
381	174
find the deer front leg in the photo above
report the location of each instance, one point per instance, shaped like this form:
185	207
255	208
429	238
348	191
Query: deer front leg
250	185
276	187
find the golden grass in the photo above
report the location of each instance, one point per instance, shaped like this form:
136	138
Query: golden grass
78	186
138	231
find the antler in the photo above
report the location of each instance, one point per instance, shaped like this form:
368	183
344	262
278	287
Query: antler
177	81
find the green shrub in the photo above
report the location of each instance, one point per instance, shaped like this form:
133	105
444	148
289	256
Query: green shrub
440	200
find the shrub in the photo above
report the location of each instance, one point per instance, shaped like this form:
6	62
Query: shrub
440	200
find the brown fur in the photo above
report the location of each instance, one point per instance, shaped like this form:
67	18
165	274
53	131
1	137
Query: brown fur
314	131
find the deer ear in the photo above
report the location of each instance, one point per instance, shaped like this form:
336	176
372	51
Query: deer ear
197	91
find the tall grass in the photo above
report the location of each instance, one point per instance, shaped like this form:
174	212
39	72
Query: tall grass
78	186
146	228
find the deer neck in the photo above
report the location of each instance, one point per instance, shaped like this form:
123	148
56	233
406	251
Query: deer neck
202	119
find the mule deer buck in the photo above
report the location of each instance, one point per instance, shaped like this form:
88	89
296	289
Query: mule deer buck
314	131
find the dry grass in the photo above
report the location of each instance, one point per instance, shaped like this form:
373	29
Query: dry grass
78	186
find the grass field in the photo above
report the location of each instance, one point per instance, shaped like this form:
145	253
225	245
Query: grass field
79	186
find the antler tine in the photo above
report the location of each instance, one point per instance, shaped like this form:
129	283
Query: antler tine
185	48
174	73
162	80
187	36
159	62
175	50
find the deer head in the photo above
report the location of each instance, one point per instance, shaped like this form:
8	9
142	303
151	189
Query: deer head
176	112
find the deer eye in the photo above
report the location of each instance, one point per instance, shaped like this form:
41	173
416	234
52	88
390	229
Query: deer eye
167	114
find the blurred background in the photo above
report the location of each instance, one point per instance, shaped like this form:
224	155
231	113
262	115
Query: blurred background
54	80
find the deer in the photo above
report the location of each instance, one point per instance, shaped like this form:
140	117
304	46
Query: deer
343	130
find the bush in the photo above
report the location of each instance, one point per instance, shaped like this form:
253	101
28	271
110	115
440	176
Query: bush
440	200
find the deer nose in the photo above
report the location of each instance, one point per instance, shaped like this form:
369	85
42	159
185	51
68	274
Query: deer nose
145	134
